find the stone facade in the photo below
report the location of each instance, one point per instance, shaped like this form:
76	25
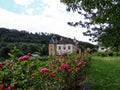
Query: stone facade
52	49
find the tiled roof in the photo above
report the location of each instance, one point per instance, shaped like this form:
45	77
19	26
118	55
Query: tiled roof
63	40
66	41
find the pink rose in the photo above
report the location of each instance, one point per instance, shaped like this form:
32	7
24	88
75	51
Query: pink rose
22	58
44	70
65	66
10	86
26	57
79	63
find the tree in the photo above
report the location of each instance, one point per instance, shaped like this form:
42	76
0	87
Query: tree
101	19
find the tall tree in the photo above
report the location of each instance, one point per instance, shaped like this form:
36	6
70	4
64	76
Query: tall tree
102	19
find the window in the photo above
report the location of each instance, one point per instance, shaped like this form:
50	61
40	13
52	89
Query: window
68	47
64	47
102	48
59	47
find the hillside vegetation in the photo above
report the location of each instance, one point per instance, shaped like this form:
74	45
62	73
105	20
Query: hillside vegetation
28	42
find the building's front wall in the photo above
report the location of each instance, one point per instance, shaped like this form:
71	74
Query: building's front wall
52	49
58	49
68	48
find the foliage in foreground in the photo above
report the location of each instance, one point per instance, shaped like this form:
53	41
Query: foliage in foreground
104	73
56	73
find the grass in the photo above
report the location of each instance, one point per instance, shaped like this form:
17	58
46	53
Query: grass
104	73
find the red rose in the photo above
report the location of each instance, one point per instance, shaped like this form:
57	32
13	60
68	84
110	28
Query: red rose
63	54
57	60
62	66
69	70
53	65
1	65
52	74
1	87
32	75
77	69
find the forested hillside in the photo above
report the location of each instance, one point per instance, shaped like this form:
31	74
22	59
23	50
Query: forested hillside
27	42
7	35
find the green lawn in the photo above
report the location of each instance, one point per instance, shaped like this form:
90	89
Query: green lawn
104	73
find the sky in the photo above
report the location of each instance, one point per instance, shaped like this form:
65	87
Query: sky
40	16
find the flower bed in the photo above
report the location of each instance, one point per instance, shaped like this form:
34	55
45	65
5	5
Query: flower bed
56	73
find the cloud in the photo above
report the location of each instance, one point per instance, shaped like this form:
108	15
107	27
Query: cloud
53	8
24	2
30	11
53	19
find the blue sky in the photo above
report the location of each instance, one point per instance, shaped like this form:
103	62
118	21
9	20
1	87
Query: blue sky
40	16
20	6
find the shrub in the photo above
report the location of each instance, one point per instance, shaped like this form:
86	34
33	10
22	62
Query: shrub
103	54
110	54
58	72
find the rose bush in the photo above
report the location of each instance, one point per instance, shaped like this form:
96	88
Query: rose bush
27	73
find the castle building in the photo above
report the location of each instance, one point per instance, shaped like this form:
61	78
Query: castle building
65	45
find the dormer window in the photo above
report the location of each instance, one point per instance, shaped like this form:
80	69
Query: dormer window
53	40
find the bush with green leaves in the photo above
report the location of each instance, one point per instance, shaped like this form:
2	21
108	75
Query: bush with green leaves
55	73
